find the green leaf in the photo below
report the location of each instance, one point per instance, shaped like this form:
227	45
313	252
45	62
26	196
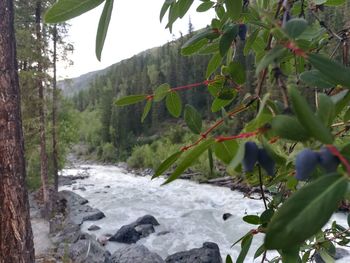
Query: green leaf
146	110
252	219
237	72
226	150
326	109
308	119
335	2
203	34
226	39
219	103
259	251
289	127
332	70
228	259
250	41
270	57
238	158
193	119
266	216
295	27
346	116
184	5
305	212
234	8
189	159
132	99
245	245
213	64
341	100
173	104
165	165
315	78
64	10
203	7
163	10
291	255
161	91
326	257
195	47
103	27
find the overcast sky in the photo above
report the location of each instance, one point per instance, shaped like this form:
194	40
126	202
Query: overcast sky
134	27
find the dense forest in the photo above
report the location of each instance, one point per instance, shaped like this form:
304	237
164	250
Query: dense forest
49	121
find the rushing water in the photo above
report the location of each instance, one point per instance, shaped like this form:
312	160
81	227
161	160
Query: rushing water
190	212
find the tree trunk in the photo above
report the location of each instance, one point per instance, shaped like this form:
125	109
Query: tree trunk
16	238
54	111
43	154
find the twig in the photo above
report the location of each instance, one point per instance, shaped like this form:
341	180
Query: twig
261	187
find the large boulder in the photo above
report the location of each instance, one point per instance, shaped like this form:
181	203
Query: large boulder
209	253
135	254
85	250
131	233
77	209
147	219
126	234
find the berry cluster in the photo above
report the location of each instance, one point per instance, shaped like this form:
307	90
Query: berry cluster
307	160
255	154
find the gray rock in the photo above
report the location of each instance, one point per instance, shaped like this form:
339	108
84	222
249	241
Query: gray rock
145	230
93	228
147	219
162	233
226	216
131	233
126	234
78	210
86	250
135	254
209	253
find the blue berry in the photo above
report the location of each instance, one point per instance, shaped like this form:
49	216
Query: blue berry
266	162
305	163
250	156
328	161
242	31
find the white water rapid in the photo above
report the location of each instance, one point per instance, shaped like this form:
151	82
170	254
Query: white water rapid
191	212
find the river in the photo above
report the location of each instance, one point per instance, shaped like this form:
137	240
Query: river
190	212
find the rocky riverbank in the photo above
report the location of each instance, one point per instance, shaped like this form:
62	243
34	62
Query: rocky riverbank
69	244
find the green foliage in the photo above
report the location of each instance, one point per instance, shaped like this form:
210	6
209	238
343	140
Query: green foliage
109	153
103	27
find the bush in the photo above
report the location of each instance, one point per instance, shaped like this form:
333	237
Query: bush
109	153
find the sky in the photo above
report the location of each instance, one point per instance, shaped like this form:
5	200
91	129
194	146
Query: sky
134	27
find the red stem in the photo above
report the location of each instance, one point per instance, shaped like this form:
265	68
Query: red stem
335	152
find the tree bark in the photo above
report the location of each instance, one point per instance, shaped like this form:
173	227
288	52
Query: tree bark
16	239
43	154
54	111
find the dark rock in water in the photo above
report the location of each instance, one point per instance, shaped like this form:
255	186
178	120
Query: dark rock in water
147	219
86	250
93	215
107	186
145	230
163	233
209	253
339	253
131	233
226	216
135	254
126	234
93	228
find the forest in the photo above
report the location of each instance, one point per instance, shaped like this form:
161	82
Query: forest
260	95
